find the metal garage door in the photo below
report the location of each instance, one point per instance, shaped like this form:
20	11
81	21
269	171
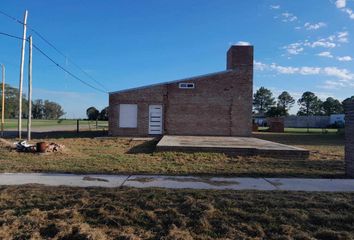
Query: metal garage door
155	119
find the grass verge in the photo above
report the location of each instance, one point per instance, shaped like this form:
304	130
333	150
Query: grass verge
37	212
122	155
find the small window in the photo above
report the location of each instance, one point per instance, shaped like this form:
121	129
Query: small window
186	85
128	115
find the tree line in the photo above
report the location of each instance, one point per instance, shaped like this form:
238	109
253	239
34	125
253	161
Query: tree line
309	104
93	113
41	109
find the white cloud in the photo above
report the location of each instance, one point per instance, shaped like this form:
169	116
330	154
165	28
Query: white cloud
331	41
242	43
349	12
329	84
321	43
294	48
341	77
344	58
325	54
288	17
309	70
338	72
314	26
340	3
343	37
284	70
259	66
274	6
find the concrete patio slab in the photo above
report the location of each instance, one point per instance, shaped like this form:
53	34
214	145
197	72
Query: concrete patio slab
215	183
229	145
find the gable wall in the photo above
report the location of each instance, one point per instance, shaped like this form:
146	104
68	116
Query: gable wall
220	104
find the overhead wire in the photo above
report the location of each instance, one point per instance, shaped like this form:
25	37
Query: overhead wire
54	47
56	63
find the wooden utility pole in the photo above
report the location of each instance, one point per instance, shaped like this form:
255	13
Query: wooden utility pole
21	75
3	101
29	122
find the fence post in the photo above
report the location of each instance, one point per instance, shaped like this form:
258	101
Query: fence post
77	125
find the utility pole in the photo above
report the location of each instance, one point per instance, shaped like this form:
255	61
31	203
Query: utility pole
21	75
3	101
29	121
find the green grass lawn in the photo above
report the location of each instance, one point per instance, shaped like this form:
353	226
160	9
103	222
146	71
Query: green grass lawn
35	212
304	130
12	123
122	155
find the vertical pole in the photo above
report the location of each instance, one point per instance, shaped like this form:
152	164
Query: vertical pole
3	101
21	75
29	122
77	126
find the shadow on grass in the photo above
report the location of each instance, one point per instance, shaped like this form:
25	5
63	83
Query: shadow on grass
144	147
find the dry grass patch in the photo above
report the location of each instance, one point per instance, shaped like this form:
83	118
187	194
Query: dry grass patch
121	155
35	212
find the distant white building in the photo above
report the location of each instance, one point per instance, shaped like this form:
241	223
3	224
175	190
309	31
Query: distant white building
336	118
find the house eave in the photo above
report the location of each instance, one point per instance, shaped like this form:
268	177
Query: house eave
169	82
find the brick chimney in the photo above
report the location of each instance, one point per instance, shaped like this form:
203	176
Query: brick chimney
239	56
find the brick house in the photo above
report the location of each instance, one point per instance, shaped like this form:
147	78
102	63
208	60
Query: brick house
216	104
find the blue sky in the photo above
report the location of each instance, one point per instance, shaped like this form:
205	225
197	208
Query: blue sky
299	45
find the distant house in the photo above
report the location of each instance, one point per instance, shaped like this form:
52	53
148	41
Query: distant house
216	104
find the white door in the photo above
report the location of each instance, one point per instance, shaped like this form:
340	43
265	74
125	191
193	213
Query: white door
155	119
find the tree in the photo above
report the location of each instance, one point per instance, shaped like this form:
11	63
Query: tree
92	113
11	101
38	109
348	99
52	110
103	114
263	100
285	102
332	106
276	112
310	104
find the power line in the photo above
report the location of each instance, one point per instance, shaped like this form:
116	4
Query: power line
67	71
57	64
10	35
54	47
11	17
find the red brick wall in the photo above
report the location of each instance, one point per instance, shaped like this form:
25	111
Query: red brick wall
143	98
220	104
349	139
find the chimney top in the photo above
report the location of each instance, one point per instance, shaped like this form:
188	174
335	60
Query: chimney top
239	55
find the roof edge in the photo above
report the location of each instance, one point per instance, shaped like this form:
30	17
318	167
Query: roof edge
169	82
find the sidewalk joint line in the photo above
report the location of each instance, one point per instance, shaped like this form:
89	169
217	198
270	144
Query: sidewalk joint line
122	185
276	187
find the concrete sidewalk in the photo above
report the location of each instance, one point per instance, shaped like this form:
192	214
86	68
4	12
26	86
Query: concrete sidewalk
179	182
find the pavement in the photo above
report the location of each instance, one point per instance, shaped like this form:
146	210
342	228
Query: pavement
45	129
179	182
